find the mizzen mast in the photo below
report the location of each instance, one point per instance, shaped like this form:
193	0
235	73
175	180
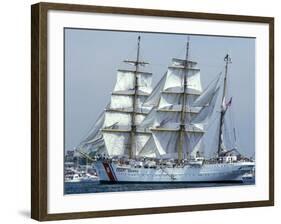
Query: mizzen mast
227	60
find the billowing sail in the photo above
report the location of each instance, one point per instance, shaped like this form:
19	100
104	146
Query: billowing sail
125	83
173	102
154	97
93	142
117	120
207	94
117	143
195	143
170	101
149	120
227	137
175	77
121	102
124	103
141	140
207	110
174	80
166	142
150	150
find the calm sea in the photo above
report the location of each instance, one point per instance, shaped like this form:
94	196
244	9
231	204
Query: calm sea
95	187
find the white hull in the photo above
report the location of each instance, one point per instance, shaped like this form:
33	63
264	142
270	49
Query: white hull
218	172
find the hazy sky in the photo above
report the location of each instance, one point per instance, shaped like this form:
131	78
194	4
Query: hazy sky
93	56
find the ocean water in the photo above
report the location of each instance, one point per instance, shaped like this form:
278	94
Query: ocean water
96	187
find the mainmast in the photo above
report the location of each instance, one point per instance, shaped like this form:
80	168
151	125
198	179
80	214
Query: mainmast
184	99
227	60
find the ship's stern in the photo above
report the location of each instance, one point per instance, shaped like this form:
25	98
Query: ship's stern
244	168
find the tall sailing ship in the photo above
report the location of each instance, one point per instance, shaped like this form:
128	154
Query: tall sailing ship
158	135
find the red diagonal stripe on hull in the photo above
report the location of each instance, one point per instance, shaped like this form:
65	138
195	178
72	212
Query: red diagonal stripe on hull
108	171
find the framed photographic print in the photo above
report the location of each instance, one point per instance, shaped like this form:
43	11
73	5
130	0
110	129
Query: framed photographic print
132	104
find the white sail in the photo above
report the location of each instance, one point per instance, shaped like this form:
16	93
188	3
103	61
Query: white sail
154	97
207	94
95	130
170	101
166	141
161	118
125	103
117	144
139	107
121	102
194	81
149	120
150	149
190	99
93	140
206	111
139	118
164	119
125	83
175	80
117	120
140	141
167	120
144	81
195	143
196	128
97	145
228	141
173	102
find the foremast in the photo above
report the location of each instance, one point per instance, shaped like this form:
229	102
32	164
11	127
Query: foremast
136	63
227	60
184	99
125	112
